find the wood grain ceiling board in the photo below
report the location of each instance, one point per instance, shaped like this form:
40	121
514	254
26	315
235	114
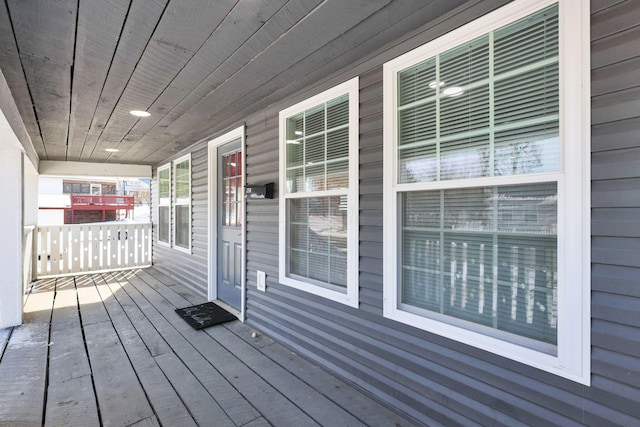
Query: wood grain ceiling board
138	29
99	27
50	84
169	51
291	47
358	43
76	67
16	80
44	34
245	19
278	24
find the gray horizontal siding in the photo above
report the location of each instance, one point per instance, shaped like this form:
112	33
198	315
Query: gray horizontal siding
188	269
616	201
436	380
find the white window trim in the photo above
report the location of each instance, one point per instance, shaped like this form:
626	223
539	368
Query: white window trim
175	203
350	298
169	234
573	359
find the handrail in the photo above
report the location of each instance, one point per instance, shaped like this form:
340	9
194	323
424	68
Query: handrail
89	248
122	202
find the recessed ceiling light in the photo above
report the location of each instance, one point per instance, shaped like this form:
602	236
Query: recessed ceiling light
139	113
111	150
435	84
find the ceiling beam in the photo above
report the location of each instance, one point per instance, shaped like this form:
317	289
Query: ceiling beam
86	169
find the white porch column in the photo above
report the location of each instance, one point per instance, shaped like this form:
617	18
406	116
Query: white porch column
11	231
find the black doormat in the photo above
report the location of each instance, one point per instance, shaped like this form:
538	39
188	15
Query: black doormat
204	315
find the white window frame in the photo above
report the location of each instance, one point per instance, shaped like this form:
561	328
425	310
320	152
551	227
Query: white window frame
176	202
167	203
350	297
573	358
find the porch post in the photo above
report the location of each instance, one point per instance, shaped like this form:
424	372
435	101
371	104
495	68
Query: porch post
11	234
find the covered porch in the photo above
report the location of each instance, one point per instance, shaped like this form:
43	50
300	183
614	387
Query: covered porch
108	349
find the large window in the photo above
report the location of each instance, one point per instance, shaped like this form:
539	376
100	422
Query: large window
486	207
318	194
164	204
182	202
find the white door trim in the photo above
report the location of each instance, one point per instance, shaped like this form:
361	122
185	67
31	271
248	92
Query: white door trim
212	215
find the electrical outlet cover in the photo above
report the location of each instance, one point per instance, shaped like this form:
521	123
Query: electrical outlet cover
262	281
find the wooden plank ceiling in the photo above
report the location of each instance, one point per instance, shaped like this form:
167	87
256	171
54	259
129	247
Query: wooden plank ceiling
77	67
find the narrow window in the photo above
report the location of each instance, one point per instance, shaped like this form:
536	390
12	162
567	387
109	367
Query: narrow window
164	204
182	204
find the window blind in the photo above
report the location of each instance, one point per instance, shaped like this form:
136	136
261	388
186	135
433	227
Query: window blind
486	108
476	252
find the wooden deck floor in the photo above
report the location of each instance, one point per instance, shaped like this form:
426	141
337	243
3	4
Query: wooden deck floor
109	349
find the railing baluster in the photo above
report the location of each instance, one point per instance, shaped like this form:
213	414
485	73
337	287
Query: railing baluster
454	267
75	253
113	247
465	266
481	281
530	277
139	246
104	247
41	256
514	282
552	295
55	251
494	293
145	247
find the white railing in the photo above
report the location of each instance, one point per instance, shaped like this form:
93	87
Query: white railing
89	248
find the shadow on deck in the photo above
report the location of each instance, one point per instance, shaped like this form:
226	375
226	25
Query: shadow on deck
108	349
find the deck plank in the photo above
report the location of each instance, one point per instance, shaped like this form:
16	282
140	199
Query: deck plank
67	354
354	403
92	310
204	408
144	366
177	294
70	396
315	404
365	408
230	401
72	403
268	400
129	320
24	364
154	342
120	396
